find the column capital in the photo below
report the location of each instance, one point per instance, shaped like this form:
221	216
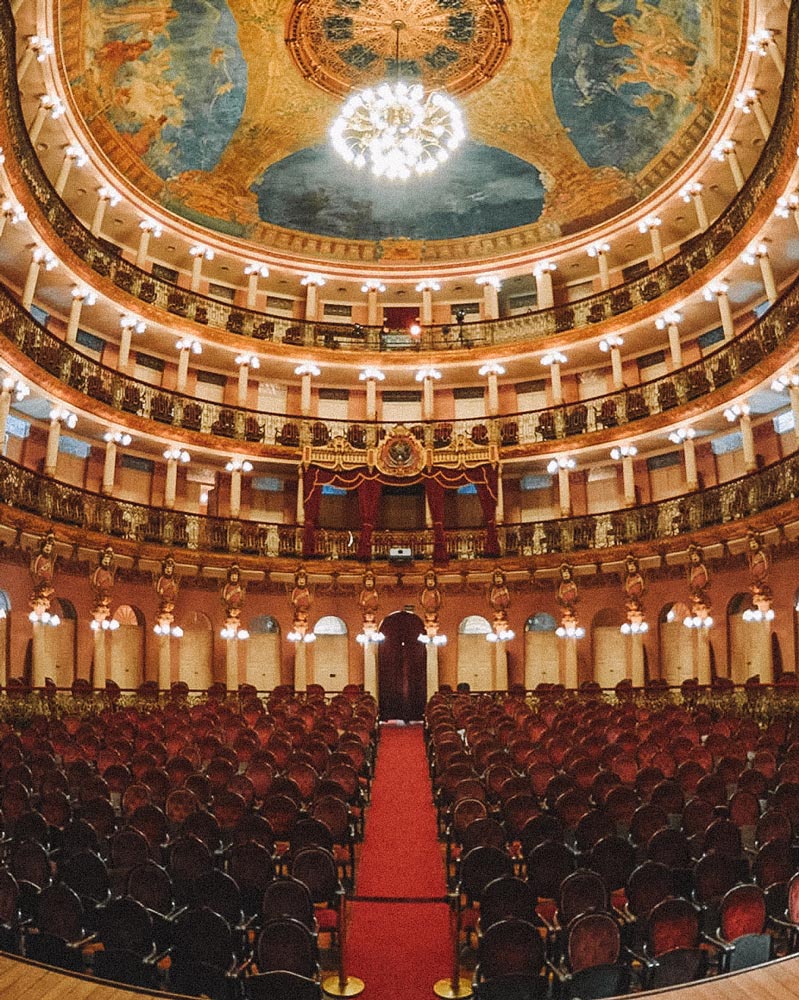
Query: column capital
428	285
256	268
598	248
650	222
80	293
553	358
373	285
189	344
317	280
247	360
174	453
61	415
613	340
151	226
202	251
237	464
75	152
308	368
371	374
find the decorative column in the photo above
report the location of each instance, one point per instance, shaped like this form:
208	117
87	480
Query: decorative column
491	370
106	195
428	376
625	454
612	345
651	224
369	637
787	206
12	212
74	155
553	360
371	376
763	42
371	287
129	325
635	628
301	635
427	286
312	283
307	370
166	587
491	285
39	48
685	436
40	258
748	102
669	321
235	467
740	412
599	250
186	346
562	466
233	633
112	440
58	415
692	194
253	271
81	295
544	293
49	105
569	633
725	150
199	252
789	381
148	229
717	291
16	388
173	454
757	253
246	362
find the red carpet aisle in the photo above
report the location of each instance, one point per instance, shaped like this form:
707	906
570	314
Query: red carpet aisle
400	947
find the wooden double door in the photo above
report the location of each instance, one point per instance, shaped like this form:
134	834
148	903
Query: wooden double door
402	668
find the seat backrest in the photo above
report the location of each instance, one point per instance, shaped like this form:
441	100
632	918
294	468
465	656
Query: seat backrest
507	897
510	948
218	891
288	897
125	925
673	923
648	884
151	885
742	911
614	859
548	864
481	866
59	912
581	892
288	945
203	935
281	985
592	939
773	863
316	867
714	874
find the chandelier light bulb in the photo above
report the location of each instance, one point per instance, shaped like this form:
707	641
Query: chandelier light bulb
428	372
117	437
649	223
250	360
238	465
52	104
133	323
200	250
561	462
85	295
493	280
189	344
254	267
491	368
544	267
612	340
623	451
756	615
77	154
671	318
12	384
175	454
364	638
397	130
373	285
14	212
634	628
374	374
598	248
64	416
313	279
148	225
715	289
428	285
723	149
693	189
308	368
42	46
734	412
758	42
554	358
682	434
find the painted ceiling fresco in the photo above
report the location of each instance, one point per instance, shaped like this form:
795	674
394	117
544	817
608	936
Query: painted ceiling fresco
575	109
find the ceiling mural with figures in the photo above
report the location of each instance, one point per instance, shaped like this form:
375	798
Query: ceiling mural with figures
575	109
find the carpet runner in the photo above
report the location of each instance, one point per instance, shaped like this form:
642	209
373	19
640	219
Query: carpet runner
399	941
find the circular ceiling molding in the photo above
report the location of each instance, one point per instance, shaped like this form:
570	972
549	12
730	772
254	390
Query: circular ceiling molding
452	45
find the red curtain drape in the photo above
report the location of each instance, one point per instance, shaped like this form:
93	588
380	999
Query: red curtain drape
369	493
369	484
434	492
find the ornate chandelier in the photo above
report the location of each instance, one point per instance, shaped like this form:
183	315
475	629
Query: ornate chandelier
397	129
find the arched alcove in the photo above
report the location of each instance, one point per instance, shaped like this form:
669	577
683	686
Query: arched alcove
677	644
612	652
196	650
66	640
263	653
331	653
477	658
749	644
402	668
126	664
541	660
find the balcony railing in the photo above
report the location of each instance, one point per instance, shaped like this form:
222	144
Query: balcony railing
652	523
773	330
106	260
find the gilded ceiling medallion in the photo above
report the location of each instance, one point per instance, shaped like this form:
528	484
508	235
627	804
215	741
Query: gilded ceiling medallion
451	45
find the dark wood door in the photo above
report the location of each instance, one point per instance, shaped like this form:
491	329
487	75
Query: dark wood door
402	668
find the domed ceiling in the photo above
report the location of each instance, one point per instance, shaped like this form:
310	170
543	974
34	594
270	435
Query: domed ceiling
575	109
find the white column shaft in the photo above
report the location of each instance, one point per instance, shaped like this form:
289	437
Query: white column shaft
124	346
776	57
244	377
767	272
637	660
305	394
196	271
5	407
63	175
500	511
99	215
311	302
371	307
628	479
100	670
300	511
763	122
252	289
564	493
490	302
24	64
371	399
370	668
51	455
109	467
164	643
701	211
748	439
689	453
604	272
657	245
426	312
30	285
427	399
493	395
615	364
557	387
36	125
183	370
74	320
235	493
725	311
793	395
143	248
543	290
735	169
171	486
675	347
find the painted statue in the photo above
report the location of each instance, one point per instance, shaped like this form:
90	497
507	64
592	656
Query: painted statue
167	585
103	576
301	596
42	568
232	592
499	595
566	594
430	598
369	598
698	574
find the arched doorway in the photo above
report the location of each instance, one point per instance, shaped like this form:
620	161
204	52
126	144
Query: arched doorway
402	667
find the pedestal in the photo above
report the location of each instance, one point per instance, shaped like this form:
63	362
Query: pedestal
500	671
232	664
100	672
637	660
164	662
370	669
300	666
43	654
568	663
702	656
431	662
